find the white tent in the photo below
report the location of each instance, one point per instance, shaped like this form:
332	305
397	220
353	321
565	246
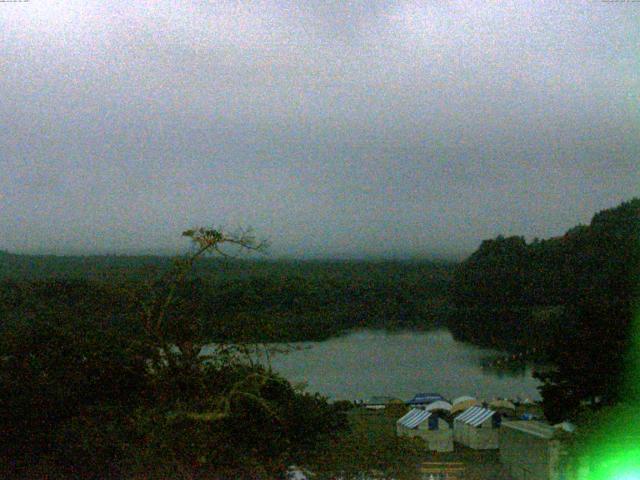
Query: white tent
477	428
463	398
501	404
461	404
439	405
428	426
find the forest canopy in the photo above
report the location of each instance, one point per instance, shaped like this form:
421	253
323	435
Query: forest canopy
572	296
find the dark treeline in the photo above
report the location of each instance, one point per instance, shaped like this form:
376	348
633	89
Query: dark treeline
571	296
105	380
101	374
512	294
137	267
243	299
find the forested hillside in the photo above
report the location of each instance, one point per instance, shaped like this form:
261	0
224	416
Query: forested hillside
512	293
105	380
244	299
571	296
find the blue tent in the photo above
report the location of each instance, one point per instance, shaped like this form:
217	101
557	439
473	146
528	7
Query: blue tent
425	398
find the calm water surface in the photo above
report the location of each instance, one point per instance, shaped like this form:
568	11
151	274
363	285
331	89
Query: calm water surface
367	363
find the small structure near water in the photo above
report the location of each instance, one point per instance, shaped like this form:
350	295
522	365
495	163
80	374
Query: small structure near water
379	402
423	399
503	407
460	404
532	450
428	426
477	428
439	405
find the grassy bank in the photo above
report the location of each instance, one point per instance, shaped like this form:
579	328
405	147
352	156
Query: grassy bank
372	445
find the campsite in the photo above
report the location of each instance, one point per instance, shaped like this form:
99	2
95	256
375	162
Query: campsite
320	240
478	443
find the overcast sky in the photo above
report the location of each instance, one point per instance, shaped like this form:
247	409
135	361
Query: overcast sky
334	128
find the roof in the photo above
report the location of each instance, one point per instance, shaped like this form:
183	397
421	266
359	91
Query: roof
566	426
414	418
475	416
463	398
439	405
531	427
380	400
502	404
463	405
424	398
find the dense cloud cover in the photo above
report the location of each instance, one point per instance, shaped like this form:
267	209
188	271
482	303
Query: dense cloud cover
335	128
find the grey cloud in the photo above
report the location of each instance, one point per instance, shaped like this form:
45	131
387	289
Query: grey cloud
335	128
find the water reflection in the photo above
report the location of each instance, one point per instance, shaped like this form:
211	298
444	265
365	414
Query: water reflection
504	366
366	363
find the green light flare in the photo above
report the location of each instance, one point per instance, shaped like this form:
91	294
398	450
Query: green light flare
627	476
632	367
612	448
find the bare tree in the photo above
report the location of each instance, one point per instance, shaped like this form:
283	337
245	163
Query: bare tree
177	353
163	292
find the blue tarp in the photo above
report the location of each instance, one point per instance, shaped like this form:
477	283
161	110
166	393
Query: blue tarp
425	398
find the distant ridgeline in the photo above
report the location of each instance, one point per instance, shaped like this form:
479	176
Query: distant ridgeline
518	296
34	267
238	299
509	294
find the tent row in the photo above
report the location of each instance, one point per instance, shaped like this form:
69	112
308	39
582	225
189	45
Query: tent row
435	401
476	427
530	450
427	425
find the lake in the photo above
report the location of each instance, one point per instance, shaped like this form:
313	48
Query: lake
367	363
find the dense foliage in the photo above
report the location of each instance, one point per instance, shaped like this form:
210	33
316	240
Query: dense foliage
80	402
572	296
249	300
103	381
101	374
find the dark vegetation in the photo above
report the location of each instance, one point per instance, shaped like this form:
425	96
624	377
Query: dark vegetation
101	374
571	298
246	300
109	383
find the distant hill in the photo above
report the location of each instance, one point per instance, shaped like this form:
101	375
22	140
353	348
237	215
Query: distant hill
96	267
31	267
304	300
511	294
